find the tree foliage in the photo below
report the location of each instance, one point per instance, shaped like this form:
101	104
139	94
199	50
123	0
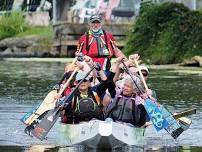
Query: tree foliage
166	33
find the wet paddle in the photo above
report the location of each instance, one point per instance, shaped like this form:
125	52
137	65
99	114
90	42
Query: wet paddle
180	116
44	126
172	126
184	113
49	102
152	109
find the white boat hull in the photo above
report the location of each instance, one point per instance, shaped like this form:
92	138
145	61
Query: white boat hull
102	134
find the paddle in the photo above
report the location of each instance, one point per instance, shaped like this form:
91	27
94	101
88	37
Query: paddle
172	126
151	108
48	103
43	127
184	121
180	116
183	113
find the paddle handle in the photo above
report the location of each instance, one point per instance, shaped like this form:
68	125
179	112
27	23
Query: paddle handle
75	59
141	76
73	73
66	99
68	81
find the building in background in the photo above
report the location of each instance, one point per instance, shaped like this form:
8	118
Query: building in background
37	12
78	11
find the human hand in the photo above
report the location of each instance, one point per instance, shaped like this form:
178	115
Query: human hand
57	96
79	65
60	104
97	66
129	63
120	59
134	57
77	53
56	87
89	61
80	58
144	96
149	92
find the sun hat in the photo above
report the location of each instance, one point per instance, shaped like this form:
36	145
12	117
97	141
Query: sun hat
80	75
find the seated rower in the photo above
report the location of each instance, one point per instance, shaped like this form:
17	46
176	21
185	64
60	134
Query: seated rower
120	103
126	105
86	102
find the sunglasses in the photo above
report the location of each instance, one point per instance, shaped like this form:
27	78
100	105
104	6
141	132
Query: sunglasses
143	73
83	80
95	22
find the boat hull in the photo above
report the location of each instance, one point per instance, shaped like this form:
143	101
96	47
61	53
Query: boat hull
102	134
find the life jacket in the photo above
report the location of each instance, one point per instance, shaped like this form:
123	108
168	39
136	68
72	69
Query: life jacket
124	109
100	48
86	107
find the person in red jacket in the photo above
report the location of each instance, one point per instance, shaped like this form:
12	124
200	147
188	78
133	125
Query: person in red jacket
98	44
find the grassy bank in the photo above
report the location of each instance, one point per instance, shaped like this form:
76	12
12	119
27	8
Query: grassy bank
14	25
43	31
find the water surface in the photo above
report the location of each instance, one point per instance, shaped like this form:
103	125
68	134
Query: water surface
24	84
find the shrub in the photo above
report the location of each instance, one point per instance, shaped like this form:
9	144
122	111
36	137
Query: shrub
12	24
166	33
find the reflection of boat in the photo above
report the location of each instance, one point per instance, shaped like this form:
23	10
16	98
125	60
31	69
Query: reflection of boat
102	134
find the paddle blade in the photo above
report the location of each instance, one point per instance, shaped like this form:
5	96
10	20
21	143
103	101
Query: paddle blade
47	104
173	128
28	114
44	126
185	123
155	115
184	113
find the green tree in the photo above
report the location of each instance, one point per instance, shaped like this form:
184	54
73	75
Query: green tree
166	33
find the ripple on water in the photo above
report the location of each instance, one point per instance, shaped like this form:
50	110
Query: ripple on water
27	86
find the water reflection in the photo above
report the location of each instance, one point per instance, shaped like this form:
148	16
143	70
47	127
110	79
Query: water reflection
24	84
41	148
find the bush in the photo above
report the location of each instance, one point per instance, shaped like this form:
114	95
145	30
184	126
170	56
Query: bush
12	24
166	33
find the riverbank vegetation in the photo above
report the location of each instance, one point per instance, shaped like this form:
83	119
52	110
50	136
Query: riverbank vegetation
166	33
11	24
162	33
14	25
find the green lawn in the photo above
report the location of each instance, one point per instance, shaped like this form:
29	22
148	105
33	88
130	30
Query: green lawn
44	31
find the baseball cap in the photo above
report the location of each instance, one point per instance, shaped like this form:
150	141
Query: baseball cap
80	75
143	68
95	18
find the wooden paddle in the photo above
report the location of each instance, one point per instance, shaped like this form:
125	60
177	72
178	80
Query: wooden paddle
180	116
43	127
49	102
183	113
151	108
172	126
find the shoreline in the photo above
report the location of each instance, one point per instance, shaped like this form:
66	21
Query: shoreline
37	59
68	60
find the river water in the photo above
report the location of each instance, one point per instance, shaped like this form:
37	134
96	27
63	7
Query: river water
26	83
